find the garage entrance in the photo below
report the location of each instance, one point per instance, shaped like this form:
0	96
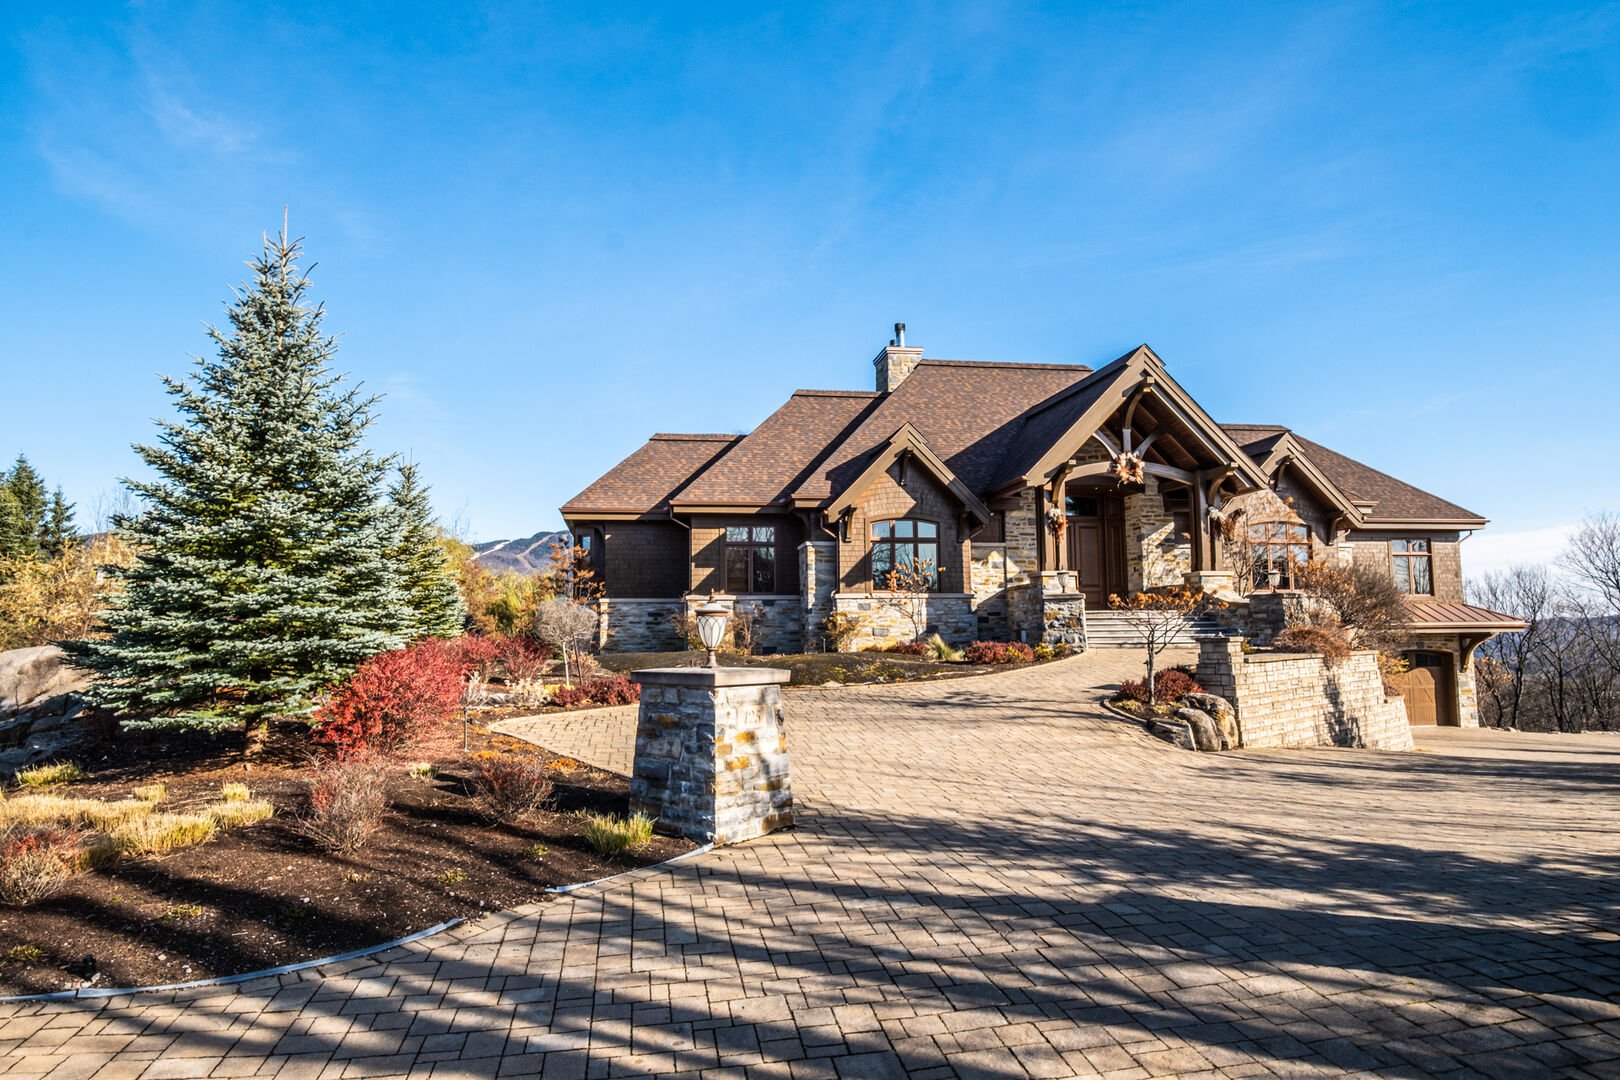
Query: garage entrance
1427	685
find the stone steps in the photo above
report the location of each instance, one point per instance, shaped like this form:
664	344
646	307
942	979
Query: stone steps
1111	630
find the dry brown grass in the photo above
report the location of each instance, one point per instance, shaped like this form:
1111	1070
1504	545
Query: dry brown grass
232	815
155	834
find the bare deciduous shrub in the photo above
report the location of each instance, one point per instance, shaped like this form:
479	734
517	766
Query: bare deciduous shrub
347	800
568	626
1328	640
612	835
1365	602
510	785
36	861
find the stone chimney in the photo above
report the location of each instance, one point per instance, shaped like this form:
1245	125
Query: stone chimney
896	361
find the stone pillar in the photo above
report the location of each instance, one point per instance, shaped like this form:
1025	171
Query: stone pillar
711	753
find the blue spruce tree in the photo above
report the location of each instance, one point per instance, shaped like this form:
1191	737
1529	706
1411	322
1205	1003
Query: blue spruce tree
263	568
424	570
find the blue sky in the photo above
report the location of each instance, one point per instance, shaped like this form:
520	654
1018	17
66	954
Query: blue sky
547	231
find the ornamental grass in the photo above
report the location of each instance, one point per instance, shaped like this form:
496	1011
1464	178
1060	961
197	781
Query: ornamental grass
611	835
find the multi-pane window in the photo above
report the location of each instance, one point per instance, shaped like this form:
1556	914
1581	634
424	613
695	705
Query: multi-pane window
750	558
1412	571
902	543
1277	548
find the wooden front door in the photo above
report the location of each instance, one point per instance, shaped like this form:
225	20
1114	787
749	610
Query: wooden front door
1096	544
1426	686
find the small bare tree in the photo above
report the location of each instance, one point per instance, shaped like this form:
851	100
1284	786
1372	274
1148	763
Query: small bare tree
1364	601
570	627
1525	592
912	583
1161	617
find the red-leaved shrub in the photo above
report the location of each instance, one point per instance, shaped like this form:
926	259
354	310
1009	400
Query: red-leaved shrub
999	652
1169	685
477	655
619	690
911	648
510	785
390	699
521	658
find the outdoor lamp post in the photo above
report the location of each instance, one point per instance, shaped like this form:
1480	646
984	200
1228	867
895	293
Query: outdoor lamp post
711	620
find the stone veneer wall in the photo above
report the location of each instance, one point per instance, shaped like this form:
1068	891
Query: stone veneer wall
1039	612
818	577
1154	557
778	620
711	753
639	625
884	621
989	565
1297	700
1022	533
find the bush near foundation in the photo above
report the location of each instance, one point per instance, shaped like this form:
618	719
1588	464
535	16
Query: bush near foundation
999	652
1331	641
390	699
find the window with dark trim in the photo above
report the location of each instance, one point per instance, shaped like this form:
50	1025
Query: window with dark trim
749	558
1178	504
1411	563
904	542
1277	547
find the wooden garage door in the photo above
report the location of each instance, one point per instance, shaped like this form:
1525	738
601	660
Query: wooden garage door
1427	688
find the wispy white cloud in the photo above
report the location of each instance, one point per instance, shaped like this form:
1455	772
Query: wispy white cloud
1490	551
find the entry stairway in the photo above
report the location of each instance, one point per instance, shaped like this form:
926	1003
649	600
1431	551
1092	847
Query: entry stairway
1108	629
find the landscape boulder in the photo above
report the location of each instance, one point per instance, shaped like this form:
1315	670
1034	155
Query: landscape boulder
1172	729
39	706
1205	735
36	680
1221	711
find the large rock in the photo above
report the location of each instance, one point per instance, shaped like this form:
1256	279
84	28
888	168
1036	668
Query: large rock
37	681
1206	736
1221	711
1172	729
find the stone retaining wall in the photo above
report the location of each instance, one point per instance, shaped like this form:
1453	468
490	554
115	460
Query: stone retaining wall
1297	700
884	620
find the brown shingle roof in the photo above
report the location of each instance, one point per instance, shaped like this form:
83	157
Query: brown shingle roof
643	482
1393	500
969	412
766	465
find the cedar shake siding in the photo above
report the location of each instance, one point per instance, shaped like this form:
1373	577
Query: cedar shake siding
643	558
1018	469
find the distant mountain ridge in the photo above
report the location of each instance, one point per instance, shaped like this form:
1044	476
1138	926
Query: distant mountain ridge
530	555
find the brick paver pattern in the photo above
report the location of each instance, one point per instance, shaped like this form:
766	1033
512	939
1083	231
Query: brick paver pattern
993	878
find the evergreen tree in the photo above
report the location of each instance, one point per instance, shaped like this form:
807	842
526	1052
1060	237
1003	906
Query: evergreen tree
56	533
23	516
262	571
14	537
419	558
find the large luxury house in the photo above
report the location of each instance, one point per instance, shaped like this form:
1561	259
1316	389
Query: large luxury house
1029	493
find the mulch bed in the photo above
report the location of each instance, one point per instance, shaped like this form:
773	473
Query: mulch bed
264	895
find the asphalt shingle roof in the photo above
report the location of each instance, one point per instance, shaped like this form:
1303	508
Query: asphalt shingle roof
643	482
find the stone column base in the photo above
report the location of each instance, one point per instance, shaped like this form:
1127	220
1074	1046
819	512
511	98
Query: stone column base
711	753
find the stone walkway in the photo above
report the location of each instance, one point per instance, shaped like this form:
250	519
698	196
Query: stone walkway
993	878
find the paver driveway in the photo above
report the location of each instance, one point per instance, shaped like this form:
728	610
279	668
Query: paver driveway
992	878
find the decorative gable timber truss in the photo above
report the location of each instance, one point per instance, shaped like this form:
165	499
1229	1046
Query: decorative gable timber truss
1132	388
905	446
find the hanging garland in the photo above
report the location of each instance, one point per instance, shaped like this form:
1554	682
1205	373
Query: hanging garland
1128	468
